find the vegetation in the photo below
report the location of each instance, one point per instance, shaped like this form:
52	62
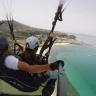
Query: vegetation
22	31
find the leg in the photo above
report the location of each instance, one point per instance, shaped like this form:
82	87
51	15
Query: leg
49	88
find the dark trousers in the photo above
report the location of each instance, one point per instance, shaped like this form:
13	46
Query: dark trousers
49	88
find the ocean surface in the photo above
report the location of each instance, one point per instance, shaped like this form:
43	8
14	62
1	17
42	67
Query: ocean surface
80	64
86	38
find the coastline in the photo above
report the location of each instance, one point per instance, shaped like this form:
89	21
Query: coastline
76	43
66	43
55	44
61	44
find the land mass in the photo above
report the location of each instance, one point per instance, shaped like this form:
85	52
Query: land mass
22	31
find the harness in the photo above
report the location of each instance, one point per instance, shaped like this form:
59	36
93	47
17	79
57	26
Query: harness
21	80
32	62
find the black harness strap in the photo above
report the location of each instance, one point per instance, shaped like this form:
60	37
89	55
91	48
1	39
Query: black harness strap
50	41
58	16
10	23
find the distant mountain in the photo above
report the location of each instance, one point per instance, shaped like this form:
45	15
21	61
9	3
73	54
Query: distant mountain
24	30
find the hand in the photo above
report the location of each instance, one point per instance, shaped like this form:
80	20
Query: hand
55	65
54	74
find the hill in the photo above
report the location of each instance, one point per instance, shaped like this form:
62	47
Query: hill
22	31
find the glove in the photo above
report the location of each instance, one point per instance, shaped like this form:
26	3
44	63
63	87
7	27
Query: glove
55	65
54	74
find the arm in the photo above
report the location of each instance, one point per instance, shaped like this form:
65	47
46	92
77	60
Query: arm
12	62
34	68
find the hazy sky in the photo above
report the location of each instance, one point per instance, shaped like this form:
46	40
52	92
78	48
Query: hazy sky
79	17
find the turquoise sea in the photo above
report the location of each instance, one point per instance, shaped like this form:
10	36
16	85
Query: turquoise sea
80	64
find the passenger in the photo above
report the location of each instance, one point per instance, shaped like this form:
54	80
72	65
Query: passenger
29	56
18	73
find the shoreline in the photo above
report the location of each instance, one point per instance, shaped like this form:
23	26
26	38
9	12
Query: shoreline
61	44
64	44
76	43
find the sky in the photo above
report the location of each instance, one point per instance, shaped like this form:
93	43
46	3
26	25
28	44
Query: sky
79	16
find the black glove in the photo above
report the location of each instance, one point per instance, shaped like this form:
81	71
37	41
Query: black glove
55	65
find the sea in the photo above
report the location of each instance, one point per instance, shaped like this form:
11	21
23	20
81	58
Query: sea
80	64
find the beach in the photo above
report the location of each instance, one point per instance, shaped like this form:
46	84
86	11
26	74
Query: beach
61	44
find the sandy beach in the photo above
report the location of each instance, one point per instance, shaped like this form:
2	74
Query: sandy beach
61	44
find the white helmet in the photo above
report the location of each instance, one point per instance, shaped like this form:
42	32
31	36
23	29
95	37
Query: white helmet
32	42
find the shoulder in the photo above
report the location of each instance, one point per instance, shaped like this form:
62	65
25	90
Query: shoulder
11	62
10	58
